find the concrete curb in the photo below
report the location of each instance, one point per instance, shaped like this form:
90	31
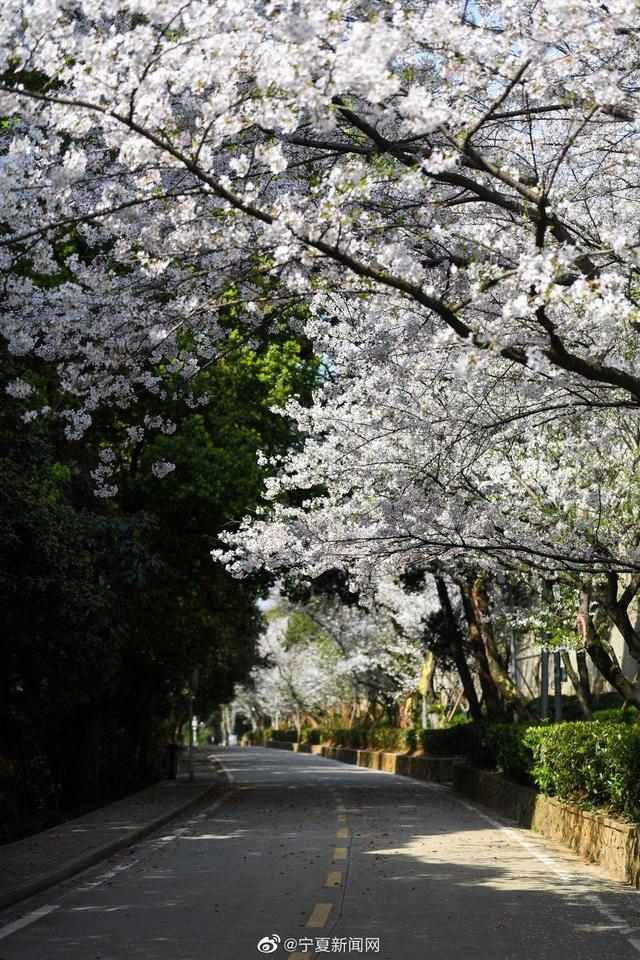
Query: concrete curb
72	867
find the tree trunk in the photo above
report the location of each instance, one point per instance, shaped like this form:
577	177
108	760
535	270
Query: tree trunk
618	609
457	651
502	680
627	703
490	695
583	692
601	652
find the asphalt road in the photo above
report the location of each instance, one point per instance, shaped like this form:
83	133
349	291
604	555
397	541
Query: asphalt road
332	860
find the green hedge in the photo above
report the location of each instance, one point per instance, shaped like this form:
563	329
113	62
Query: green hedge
284	736
395	739
595	764
497	745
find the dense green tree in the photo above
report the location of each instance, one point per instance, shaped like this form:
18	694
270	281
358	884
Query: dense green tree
110	604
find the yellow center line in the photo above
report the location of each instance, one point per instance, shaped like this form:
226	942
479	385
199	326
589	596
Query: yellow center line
320	915
341	809
342	817
342	833
340	853
334	879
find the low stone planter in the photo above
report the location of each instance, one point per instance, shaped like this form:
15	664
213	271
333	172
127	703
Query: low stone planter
304	747
612	844
432	769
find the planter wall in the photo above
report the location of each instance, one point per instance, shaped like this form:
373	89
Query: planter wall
285	745
432	769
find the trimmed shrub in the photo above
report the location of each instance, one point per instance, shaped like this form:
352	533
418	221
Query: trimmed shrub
595	763
617	715
497	745
507	748
284	736
395	739
464	740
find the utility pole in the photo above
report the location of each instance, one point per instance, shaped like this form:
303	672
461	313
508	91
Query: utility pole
557	686
193	686
507	604
544	683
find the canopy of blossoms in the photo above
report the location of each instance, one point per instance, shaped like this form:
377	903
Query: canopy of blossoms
449	189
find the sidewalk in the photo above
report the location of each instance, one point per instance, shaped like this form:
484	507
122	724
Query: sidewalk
38	862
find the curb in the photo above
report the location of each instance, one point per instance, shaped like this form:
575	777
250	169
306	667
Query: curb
70	869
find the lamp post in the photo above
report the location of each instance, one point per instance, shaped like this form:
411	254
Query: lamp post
193	687
557	686
544	683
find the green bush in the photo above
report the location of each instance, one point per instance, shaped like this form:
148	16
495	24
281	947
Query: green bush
596	763
617	715
284	736
464	740
395	739
506	747
497	745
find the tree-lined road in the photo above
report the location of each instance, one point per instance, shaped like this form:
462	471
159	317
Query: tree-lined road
329	856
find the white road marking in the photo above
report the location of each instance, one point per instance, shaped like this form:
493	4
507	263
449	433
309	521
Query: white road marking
106	876
230	777
621	927
25	921
162	841
35	915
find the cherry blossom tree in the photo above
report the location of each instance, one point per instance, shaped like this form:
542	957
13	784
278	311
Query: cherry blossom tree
323	654
449	188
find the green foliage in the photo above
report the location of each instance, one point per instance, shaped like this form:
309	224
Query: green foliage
617	714
282	736
108	606
394	739
509	749
464	740
596	764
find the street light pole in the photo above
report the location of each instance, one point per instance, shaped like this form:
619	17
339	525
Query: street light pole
190	733
544	683
557	687
193	686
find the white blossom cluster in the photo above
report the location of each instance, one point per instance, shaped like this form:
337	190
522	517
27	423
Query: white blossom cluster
354	651
449	189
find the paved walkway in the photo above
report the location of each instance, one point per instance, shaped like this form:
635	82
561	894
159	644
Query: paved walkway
307	857
38	862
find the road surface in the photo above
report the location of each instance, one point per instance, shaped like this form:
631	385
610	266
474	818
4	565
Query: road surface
316	858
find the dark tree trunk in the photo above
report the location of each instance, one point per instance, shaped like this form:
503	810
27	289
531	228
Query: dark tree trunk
457	650
480	604
582	689
601	652
490	694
